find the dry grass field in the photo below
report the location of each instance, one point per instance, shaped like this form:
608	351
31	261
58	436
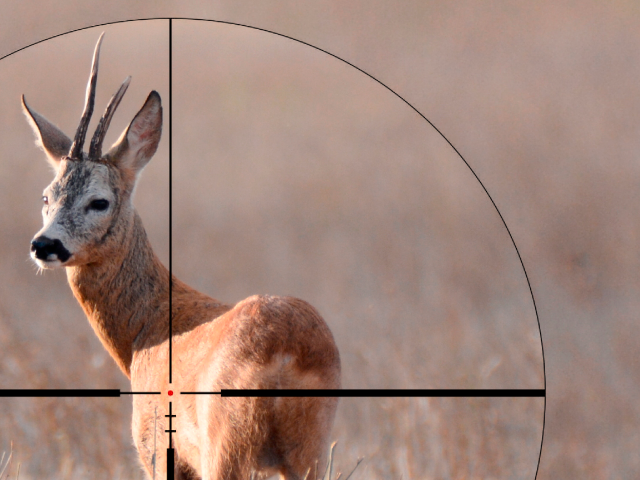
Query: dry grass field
295	174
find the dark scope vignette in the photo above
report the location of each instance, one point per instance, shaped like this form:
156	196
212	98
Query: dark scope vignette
315	232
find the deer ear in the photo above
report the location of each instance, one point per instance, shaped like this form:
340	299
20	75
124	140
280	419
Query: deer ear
48	137
139	141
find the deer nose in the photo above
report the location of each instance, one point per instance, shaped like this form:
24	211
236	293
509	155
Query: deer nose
43	247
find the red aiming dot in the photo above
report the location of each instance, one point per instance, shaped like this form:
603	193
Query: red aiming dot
170	392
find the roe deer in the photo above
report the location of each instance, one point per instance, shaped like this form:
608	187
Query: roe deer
92	229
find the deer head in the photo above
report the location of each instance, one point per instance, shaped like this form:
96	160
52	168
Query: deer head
87	208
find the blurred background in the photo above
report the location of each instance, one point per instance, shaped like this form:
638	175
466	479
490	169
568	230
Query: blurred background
295	174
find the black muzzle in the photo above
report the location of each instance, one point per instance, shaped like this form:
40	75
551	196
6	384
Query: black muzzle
43	247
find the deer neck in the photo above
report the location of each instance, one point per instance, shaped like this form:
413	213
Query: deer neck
125	297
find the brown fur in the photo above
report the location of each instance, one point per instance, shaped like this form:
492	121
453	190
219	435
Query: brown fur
261	342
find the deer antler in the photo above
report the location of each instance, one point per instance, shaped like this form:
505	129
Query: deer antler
78	142
95	149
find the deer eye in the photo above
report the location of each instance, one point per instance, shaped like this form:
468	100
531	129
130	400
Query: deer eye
99	204
45	200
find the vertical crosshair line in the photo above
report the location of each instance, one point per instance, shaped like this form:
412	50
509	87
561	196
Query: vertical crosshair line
170	199
170	452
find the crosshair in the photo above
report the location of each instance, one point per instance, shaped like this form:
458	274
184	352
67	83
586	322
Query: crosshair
357	393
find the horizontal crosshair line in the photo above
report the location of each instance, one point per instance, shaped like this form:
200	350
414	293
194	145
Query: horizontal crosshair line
70	392
448	392
140	393
503	393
